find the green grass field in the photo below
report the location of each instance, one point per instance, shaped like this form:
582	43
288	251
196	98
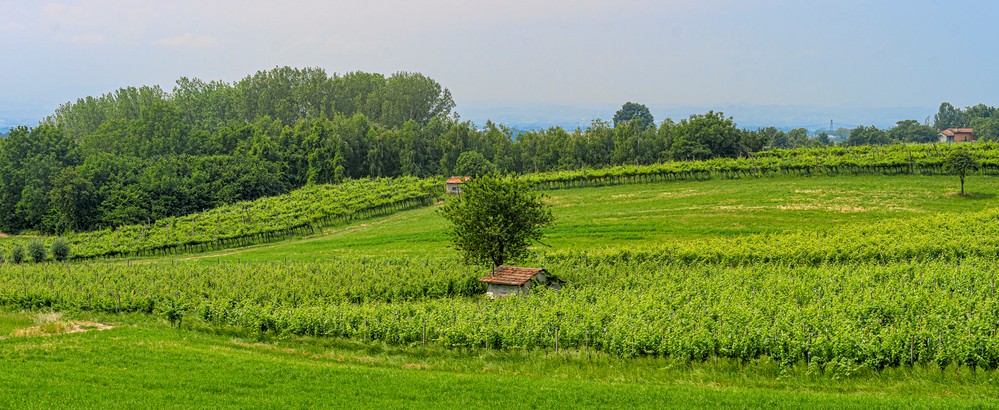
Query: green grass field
635	215
142	362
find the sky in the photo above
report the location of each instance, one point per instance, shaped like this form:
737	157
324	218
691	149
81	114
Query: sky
523	57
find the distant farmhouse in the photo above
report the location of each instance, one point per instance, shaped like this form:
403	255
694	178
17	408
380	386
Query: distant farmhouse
957	135
453	185
512	280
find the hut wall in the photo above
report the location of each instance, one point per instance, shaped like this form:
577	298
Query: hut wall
499	291
453	188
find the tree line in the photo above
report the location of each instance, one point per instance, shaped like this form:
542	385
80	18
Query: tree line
141	153
982	118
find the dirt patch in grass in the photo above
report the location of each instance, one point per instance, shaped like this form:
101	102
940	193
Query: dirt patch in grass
818	207
681	194
59	328
48	324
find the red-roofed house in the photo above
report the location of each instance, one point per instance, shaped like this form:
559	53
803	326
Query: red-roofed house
513	280
957	135
453	185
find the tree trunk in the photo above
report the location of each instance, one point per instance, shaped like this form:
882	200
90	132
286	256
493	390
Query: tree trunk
962	184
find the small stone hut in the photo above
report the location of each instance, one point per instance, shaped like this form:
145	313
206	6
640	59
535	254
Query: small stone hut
453	185
513	280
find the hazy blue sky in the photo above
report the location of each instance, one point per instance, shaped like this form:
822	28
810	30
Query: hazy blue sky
533	52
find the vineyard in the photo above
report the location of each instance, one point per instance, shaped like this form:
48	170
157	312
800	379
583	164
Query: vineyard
917	291
912	159
843	316
944	237
300	212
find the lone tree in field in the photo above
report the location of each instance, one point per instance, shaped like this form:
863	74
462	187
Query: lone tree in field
37	251
960	162
495	219
17	253
60	249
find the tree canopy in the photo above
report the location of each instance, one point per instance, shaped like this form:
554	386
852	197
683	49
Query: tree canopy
706	136
634	112
867	136
473	163
495	219
912	131
947	117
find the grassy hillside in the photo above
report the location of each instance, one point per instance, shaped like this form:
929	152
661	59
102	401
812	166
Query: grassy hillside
642	215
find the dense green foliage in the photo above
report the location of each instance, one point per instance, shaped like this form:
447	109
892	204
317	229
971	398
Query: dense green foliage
912	131
867	136
472	163
142	154
495	219
16	253
56	188
705	136
60	249
634	112
36	251
983	119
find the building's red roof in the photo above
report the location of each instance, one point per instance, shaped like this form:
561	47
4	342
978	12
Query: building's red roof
511	275
457	180
951	131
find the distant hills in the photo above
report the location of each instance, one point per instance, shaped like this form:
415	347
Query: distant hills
540	116
786	117
13	115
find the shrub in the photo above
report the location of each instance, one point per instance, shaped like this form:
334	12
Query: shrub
17	253
60	249
36	250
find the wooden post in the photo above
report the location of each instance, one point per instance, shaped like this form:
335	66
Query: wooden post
556	339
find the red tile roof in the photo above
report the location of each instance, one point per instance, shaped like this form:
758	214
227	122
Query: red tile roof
951	131
511	275
457	180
